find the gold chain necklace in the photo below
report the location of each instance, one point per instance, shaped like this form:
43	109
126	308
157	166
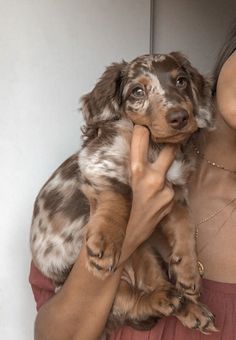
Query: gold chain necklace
215	212
214	164
200	265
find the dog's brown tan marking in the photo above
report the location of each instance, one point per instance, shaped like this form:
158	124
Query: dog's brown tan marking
71	211
36	210
59	222
48	249
52	201
89	196
70	168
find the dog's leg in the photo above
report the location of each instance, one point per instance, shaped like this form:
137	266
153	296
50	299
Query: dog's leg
195	315
141	308
106	231
144	295
180	233
144	291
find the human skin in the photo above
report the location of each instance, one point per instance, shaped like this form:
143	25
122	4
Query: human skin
226	93
212	189
81	307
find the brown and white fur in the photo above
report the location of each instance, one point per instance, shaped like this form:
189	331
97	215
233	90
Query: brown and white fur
88	198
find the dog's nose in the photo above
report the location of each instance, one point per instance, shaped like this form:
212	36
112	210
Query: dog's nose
177	119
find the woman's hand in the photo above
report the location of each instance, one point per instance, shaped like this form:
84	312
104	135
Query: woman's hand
152	194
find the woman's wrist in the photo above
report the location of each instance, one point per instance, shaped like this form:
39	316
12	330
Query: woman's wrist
132	241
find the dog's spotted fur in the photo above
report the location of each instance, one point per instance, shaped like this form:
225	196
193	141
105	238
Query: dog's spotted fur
89	196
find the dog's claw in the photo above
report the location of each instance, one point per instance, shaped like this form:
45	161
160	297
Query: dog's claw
169	272
197	324
175	259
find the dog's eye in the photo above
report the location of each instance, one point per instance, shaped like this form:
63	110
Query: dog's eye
181	82
138	92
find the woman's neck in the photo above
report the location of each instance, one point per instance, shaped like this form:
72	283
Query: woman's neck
216	146
219	145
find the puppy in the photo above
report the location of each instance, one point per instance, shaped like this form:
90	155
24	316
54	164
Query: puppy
88	198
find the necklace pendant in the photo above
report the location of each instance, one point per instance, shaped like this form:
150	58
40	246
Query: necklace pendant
200	268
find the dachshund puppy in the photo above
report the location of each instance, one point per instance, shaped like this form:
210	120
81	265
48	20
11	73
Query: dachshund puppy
88	198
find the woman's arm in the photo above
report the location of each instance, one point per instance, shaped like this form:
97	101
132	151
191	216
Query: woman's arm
80	309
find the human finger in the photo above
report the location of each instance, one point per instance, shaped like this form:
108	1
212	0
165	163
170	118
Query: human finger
139	145
165	159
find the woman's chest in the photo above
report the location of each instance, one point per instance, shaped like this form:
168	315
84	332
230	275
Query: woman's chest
215	225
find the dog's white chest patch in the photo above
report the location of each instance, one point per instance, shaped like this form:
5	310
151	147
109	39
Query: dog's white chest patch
175	174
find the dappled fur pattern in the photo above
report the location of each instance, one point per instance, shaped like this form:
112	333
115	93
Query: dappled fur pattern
88	198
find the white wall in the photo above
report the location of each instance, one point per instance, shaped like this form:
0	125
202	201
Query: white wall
52	52
195	27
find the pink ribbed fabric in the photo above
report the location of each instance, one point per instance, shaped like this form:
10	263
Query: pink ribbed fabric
41	286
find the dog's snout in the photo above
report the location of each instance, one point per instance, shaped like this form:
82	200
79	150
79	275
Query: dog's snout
177	119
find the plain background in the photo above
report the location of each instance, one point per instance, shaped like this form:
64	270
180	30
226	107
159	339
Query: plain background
51	53
195	27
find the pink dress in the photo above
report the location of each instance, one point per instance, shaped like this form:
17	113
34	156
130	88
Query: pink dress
219	297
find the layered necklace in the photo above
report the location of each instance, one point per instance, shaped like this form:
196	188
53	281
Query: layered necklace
201	268
214	164
206	219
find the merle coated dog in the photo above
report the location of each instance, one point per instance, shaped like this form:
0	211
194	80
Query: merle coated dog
88	198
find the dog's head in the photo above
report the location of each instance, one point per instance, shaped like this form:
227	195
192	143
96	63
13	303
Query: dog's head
163	92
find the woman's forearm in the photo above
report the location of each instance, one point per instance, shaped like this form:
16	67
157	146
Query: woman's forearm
80	309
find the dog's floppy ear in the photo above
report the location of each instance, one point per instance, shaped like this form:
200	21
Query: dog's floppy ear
202	93
104	101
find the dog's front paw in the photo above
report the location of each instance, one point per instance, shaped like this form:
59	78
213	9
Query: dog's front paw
185	270
166	301
196	316
103	249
